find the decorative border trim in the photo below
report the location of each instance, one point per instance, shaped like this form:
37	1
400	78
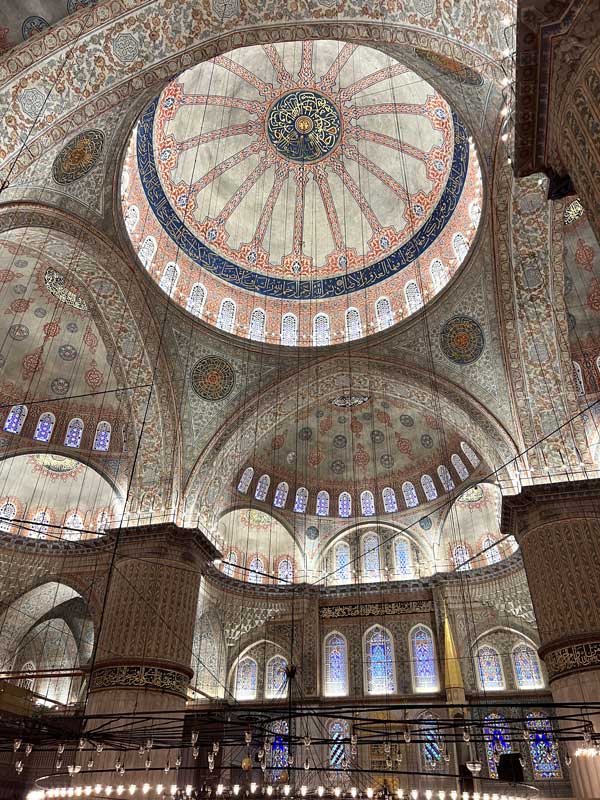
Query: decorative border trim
140	677
572	658
376	609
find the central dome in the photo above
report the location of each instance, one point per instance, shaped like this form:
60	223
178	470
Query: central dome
303	193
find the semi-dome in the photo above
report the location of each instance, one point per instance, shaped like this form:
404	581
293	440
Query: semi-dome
305	193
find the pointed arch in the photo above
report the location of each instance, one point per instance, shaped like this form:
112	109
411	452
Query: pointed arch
102	436
341	556
226	317
147	251
542	748
45	427
429	487
322	507
262	487
301	500
345	505
245	480
281	493
492	552
339	731
276	677
423	660
169	278
459	466
74	433
289	330
490	674
410	494
335	661
380	669
445	478
413	296
383	313
370	556
526	667
256	570
16	419
257	328
439	274
196	299
353	324
321	330
367	503
390	504
471	455
460	246
246	675
403	557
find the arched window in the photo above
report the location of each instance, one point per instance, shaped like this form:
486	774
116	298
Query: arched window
424	668
39	527
526	666
73	524
390	505
169	278
74	433
131	219
196	300
278	753
44	427
445	478
370	554
285	571
429	487
496	736
102	437
492	553
414	299
410	494
384	313
344	505
27	681
542	748
256	569
342	569
461	557
379	661
403	558
301	500
460	247
459	466
147	251
262	487
257	328
102	522
470	454
489	669
578	378
367	504
245	679
230	564
432	757
475	212
276	677
226	318
245	480
321	334
336	665
15	419
338	733
289	330
281	493
439	275
353	324
8	511
322	503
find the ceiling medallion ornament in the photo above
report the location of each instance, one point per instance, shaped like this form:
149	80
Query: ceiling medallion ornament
349	400
213	378
78	157
462	340
304	126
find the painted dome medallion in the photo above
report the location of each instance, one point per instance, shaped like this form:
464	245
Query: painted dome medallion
304	193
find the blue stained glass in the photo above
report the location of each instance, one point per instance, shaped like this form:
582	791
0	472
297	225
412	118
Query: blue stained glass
345	504
371	555
285	571
431	750
15	419
389	500
402	552
338	731
495	733
276	677
379	658
245	480
44	427
542	748
102	438
245	681
301	500
281	494
322	504
74	433
410	494
256	570
490	668
342	562
424	666
335	665
527	667
262	487
367	504
278	757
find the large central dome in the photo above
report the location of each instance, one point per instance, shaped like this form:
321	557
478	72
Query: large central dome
303	193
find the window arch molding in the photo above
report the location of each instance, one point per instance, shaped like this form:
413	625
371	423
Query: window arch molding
430	680
373	684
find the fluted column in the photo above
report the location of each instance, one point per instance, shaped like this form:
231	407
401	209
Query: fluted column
558	529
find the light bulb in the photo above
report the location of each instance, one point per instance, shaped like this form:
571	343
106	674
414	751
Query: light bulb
236	789
220	788
337	791
286	789
159	788
146	788
320	791
369	793
303	791
253	787
132	788
269	790
353	791
414	793
428	794
108	790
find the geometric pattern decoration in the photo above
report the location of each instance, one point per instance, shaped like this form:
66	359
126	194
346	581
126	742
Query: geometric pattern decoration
462	339
78	157
212	378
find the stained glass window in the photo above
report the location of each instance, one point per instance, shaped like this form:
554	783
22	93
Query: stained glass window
414	299
432	757
289	330
102	437
578	378
492	553
527	667
489	669
102	522
459	466
245	480
353	324
342	562
8	511
285	571
44	427
384	313
461	557
226	318
370	551
169	278
403	559
475	212
336	665
281	494
74	433
470	454
410	494
73	526
390	503
301	500
196	300
439	276
344	504
321	335
15	419
230	564
379	660
338	733
257	325
445	478
429	487
278	754
542	748
496	736
147	251
39	528
276	677
425	678
132	216
245	679
27	682
367	504
262	487
460	247
322	503
256	569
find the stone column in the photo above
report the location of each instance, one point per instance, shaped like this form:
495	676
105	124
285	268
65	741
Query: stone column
558	529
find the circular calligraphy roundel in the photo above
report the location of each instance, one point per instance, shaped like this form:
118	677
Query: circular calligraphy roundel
303	125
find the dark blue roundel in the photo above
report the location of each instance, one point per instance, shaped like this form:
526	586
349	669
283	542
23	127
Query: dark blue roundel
304	126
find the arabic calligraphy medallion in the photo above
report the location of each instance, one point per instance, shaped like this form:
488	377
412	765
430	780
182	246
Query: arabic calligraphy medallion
303	125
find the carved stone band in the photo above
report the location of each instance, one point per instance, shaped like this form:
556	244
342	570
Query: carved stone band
572	658
375	609
140	677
